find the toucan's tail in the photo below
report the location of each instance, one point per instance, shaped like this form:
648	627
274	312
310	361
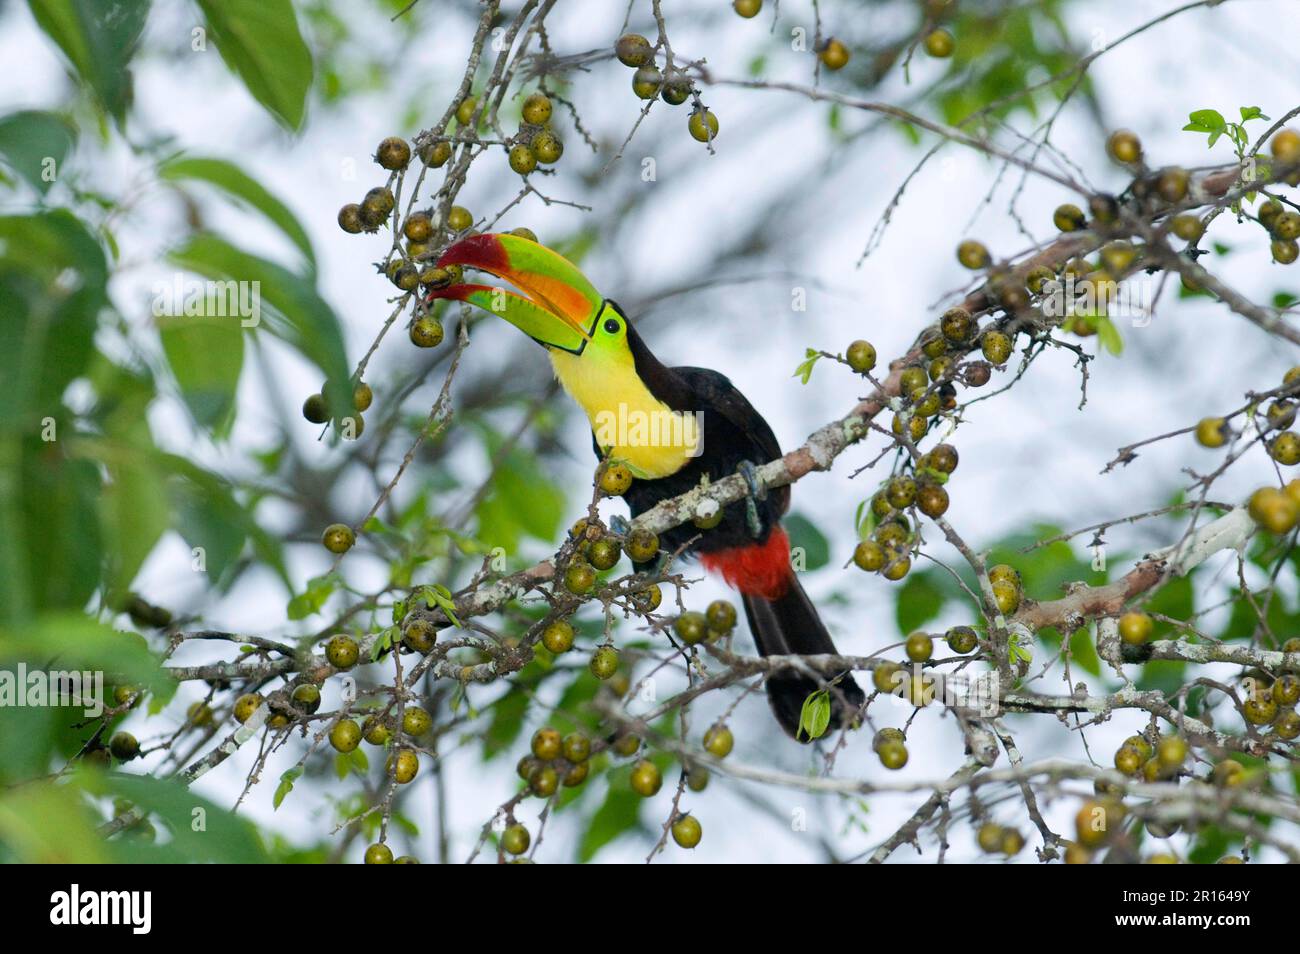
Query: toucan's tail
789	624
784	621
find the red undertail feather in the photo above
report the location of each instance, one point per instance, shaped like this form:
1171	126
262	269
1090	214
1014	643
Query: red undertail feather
760	569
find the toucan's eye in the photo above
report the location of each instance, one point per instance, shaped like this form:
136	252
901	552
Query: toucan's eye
611	326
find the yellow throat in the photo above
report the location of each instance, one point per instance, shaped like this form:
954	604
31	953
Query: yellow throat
626	419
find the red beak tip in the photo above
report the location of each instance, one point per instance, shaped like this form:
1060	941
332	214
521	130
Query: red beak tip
477	251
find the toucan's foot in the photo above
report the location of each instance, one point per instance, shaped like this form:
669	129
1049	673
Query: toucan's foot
618	523
747	470
756	493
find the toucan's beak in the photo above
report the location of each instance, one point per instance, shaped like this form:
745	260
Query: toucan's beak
561	307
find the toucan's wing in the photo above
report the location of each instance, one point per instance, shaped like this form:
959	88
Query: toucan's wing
743	424
717	393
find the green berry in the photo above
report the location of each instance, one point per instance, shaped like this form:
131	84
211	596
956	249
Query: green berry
892	755
703	125
1069	218
861	356
435	154
246	705
920	647
721	616
393	153
345	736
646	82
973	255
315	410
869	555
537	109
306	698
962	639
124	746
615	480
416	721
996	347
547	147
718	741
522	159
515	839
547	744
641	545
351	219
604	662
1135	627
378	854
691	628
558	637
342	651
1124	146
634	50
426	332
646	778
338	538
687	831
403	765
939	44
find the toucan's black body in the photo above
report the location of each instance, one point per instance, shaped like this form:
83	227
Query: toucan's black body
733	432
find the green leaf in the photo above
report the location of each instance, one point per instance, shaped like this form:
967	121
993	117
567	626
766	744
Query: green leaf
239	185
920	599
805	369
52	550
206	354
99	38
805	536
44	823
261	43
73	641
47	335
34	144
815	716
286	785
383	643
201	830
1251	112
134	508
1017	651
522	499
1212	843
1083	652
210	517
442	596
507	722
287	304
309	602
360	761
1206	120
618	814
1109	335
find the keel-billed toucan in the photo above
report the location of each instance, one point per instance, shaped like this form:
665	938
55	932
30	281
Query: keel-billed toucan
606	367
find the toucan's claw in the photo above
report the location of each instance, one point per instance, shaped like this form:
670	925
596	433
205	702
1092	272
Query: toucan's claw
756	493
757	489
618	523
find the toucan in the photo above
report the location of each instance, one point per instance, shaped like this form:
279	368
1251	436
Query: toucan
605	366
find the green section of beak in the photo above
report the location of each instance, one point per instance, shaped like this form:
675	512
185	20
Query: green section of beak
533	320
